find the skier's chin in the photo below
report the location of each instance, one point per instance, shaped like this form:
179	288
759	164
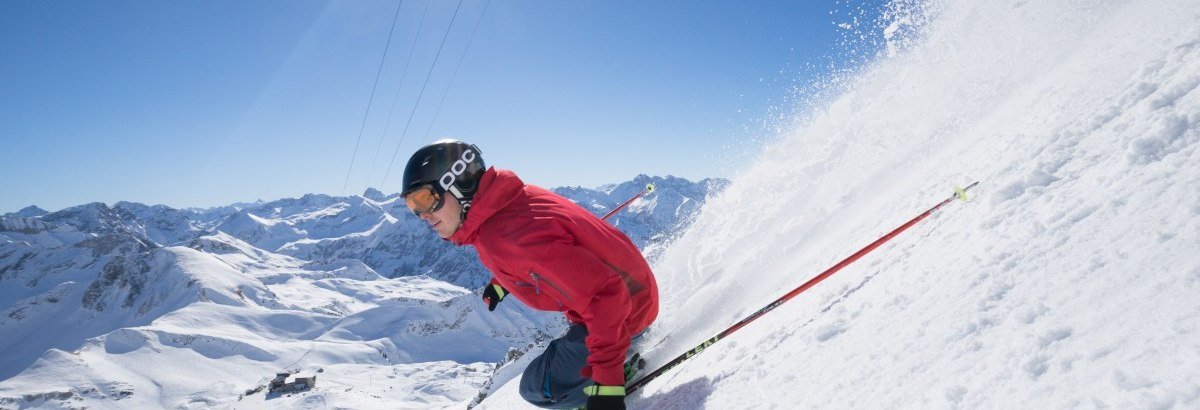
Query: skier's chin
444	230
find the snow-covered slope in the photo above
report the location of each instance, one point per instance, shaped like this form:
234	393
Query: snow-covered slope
1070	281
200	324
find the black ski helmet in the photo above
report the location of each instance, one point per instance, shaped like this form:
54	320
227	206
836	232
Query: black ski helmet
450	166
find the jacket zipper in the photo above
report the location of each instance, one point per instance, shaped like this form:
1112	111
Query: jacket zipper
537	288
537	279
537	285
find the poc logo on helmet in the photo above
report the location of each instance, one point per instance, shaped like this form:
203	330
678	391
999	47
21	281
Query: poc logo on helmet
456	169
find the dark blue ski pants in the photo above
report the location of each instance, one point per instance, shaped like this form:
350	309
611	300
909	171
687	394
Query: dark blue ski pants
552	380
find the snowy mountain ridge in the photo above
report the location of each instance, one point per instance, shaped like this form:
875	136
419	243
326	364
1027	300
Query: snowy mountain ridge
293	283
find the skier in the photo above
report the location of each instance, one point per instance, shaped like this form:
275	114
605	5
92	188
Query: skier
550	254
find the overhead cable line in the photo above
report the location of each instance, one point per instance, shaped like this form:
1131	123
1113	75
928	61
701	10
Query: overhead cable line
371	100
403	74
454	74
420	94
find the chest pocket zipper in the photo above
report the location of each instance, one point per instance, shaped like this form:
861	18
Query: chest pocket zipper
537	287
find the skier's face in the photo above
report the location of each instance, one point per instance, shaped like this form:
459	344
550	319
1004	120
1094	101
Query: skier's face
447	219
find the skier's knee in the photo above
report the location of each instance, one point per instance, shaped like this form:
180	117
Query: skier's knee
531	387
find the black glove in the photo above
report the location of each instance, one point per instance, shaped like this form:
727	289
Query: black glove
492	295
605	397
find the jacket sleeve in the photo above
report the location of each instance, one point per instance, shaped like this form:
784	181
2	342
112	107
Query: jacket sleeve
587	285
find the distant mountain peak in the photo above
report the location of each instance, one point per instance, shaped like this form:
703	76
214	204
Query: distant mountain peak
29	212
377	196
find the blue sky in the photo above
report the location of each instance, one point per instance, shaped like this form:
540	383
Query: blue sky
205	103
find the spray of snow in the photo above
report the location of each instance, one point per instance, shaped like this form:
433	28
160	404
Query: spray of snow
1068	281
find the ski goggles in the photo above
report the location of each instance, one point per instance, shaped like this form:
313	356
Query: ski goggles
423	200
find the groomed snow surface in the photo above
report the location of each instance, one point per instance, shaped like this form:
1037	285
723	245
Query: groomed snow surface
1070	280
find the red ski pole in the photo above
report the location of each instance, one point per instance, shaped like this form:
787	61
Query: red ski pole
649	189
958	193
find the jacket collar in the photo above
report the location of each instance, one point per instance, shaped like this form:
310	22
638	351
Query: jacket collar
497	189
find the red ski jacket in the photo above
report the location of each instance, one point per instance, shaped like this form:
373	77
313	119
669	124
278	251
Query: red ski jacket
554	255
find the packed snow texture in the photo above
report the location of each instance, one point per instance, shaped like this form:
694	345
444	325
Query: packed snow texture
1070	280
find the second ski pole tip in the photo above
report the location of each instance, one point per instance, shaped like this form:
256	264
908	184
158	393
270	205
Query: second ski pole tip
960	193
